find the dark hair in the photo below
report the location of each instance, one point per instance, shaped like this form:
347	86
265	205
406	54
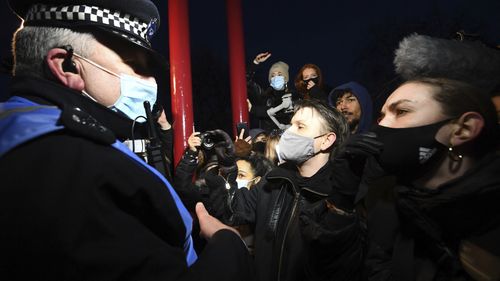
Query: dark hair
260	165
299	82
457	98
339	93
333	121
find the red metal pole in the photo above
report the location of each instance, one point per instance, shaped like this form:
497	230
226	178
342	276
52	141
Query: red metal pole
180	74
237	62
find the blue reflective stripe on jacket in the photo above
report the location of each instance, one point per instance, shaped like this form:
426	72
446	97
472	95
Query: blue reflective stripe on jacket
186	217
22	120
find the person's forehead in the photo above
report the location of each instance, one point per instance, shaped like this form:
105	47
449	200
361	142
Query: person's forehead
309	70
411	93
114	51
306	115
346	95
244	166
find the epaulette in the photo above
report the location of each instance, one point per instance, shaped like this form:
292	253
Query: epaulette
83	124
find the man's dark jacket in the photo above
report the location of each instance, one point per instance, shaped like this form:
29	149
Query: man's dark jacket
290	237
74	208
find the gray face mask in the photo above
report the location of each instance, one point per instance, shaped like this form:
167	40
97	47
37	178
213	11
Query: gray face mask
296	148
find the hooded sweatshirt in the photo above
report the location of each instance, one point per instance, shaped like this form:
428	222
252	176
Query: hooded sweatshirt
364	99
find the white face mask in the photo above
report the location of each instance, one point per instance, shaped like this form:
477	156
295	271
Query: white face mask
133	93
242	183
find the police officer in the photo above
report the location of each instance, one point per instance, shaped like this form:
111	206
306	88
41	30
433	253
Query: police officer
76	203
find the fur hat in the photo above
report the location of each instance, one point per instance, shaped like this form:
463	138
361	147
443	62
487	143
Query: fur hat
467	61
279	66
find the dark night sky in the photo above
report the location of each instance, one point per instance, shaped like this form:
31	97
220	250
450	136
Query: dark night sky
348	39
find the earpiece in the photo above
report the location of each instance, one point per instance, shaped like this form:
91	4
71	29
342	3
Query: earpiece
68	65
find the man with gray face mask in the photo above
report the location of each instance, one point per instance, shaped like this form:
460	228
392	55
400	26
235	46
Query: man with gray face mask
300	199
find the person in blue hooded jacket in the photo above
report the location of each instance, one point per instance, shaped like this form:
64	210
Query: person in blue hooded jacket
354	101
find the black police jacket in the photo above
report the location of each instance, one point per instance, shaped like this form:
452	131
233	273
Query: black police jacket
291	236
74	208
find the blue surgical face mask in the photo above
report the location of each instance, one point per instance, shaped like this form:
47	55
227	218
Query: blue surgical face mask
133	93
278	82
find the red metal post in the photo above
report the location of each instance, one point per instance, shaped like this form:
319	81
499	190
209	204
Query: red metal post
180	74
237	62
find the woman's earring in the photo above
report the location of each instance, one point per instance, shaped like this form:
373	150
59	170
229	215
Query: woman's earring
454	155
456	159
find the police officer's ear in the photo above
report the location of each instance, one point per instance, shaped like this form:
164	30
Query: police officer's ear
64	70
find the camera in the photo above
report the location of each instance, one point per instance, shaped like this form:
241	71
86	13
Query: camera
207	140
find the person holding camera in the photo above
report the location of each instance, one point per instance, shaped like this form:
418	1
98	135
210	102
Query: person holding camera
76	203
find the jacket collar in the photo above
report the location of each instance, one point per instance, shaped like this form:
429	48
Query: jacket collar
47	92
319	182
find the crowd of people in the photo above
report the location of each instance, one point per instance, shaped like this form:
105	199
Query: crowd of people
315	190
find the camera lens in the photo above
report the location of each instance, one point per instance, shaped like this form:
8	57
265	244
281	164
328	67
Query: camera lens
207	141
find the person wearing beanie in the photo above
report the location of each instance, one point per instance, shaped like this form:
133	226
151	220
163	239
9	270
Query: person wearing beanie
272	107
277	70
76	202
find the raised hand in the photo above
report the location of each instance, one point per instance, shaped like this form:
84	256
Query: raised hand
262	57
194	141
240	137
310	84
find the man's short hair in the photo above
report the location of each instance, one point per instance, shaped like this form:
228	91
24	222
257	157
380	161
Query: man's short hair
31	44
339	93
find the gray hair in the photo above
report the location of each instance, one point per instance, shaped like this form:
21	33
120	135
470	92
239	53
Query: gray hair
31	44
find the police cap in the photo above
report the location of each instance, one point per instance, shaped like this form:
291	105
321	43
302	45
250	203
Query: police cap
133	20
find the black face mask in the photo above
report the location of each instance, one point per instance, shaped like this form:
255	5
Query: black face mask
410	152
315	80
259	147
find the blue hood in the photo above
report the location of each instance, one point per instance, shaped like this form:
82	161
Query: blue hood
364	99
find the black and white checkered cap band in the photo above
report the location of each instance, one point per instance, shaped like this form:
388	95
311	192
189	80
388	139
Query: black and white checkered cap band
95	15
